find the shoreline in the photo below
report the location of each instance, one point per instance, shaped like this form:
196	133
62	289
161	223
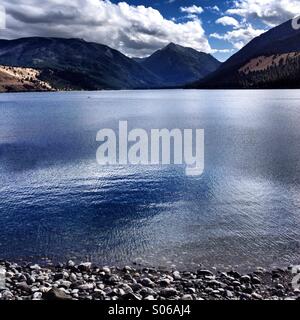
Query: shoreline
149	89
86	281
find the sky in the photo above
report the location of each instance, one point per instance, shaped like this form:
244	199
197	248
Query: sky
137	28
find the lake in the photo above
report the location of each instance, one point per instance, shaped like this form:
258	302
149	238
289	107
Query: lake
56	202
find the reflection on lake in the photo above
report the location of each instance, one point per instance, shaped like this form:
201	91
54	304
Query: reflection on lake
56	202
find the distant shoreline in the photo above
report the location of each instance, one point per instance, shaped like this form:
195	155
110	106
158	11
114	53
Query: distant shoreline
162	89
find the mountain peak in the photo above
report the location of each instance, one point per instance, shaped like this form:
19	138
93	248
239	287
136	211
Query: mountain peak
181	49
178	65
172	45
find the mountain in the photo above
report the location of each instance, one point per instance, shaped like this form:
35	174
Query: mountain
76	64
21	79
139	60
268	61
177	65
275	71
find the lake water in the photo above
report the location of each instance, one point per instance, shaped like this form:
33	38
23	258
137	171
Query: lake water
57	202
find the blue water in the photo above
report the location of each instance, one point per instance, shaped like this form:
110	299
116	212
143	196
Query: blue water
56	202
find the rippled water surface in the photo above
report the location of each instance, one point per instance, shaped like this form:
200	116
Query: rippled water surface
56	202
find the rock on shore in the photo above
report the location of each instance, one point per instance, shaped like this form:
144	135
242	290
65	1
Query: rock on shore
88	282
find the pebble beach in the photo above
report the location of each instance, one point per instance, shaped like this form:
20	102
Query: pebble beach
85	281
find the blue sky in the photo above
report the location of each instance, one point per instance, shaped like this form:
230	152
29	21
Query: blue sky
211	17
140	27
212	11
171	9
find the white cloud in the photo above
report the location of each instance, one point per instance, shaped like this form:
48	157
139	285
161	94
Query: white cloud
228	21
192	9
222	50
134	30
215	9
239	37
271	12
191	16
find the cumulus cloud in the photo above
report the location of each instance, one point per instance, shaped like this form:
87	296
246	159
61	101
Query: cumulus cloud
239	37
271	12
243	31
228	21
134	30
192	9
